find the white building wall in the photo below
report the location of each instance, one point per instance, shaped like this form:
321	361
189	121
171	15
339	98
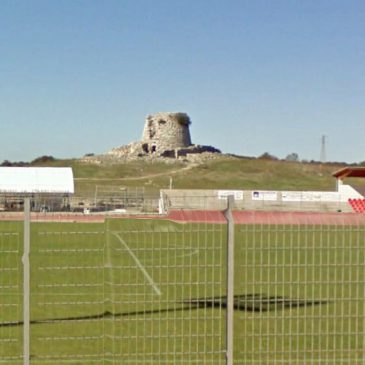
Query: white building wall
348	192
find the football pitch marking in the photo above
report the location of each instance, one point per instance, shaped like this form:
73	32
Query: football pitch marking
192	252
139	264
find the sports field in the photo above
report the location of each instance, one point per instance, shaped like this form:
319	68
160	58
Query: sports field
133	291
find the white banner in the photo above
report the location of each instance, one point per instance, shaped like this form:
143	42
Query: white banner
291	196
238	194
265	195
310	196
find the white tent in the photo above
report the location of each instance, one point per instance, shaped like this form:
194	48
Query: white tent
27	180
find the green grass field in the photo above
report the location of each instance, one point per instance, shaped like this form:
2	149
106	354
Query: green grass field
123	292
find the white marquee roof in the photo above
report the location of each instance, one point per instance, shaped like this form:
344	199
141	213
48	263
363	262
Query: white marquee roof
26	180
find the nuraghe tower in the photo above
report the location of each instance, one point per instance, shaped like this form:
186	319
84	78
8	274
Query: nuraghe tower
165	132
165	135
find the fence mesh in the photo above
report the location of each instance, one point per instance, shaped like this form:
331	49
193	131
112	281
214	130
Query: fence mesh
160	276
133	291
304	291
10	292
67	293
153	291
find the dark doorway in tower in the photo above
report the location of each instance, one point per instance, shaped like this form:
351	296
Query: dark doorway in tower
145	147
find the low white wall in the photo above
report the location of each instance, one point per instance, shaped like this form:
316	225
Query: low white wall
348	192
259	199
344	193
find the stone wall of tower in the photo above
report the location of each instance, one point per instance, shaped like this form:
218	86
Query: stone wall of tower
166	136
166	131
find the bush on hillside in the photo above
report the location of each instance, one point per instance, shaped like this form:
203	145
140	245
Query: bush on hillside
267	156
43	159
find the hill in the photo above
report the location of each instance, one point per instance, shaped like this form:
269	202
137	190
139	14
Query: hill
223	172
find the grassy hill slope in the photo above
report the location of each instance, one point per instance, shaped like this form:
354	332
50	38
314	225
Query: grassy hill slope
225	172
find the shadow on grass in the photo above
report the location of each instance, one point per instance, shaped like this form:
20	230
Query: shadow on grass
245	302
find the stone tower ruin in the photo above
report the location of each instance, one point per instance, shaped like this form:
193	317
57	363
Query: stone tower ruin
165	135
166	132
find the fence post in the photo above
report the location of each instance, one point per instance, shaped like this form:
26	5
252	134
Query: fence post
26	282
230	280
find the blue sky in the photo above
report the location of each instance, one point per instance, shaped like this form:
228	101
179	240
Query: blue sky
80	76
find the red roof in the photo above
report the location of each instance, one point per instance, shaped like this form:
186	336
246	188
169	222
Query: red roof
349	172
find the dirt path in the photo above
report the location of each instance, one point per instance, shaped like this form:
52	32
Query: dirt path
167	173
